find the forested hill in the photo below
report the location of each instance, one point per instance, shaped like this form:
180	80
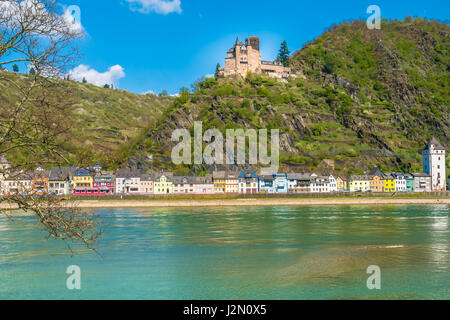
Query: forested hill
104	123
364	98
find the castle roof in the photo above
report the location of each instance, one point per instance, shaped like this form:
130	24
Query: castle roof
434	142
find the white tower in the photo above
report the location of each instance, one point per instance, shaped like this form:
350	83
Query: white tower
434	164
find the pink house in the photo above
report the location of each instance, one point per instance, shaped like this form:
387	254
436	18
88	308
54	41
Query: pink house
204	185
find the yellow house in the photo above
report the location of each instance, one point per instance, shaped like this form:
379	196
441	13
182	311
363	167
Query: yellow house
219	180
341	184
359	183
389	184
83	178
163	183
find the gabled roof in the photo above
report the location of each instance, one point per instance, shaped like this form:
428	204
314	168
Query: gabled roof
436	144
376	172
248	174
183	180
203	180
81	173
421	175
168	175
219	174
299	176
61	173
127	173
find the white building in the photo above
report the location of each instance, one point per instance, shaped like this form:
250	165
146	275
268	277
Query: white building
333	187
320	184
400	182
434	164
128	182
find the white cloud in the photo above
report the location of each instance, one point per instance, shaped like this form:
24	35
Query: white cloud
158	6
112	76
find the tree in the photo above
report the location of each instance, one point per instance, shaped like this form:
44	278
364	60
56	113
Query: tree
164	93
16	68
216	75
106	86
84	80
32	72
284	53
36	126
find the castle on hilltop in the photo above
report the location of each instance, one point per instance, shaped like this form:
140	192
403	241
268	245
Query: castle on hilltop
246	57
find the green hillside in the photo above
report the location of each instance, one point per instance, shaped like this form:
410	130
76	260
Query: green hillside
104	122
363	98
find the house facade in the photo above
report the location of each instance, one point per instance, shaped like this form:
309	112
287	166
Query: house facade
104	182
219	181
248	182
266	184
320	184
183	185
146	184
203	185
360	183
163	183
39	181
61	181
342	184
422	182
280	183
232	183
389	184
128	182
82	178
400	181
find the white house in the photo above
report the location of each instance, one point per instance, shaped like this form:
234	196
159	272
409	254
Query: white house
434	164
128	182
333	187
320	184
400	181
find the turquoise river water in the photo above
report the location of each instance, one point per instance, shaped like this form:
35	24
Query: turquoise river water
238	253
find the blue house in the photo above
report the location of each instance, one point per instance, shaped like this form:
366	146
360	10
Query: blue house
266	184
280	183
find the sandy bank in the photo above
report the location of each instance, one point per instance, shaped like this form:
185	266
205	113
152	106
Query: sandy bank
250	202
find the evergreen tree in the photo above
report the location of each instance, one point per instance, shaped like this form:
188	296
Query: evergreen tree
106	86
216	75
32	71
84	80
164	93
15	68
283	55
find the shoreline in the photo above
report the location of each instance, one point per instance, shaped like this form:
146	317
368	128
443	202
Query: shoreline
105	204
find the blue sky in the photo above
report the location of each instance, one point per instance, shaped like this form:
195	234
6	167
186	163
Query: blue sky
155	45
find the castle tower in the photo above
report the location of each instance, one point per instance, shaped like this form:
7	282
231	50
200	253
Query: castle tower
434	164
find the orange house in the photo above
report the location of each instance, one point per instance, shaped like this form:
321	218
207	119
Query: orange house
39	182
377	184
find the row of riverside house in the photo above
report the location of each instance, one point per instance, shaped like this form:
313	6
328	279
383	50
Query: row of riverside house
97	182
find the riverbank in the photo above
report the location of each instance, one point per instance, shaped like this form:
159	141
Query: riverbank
92	204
